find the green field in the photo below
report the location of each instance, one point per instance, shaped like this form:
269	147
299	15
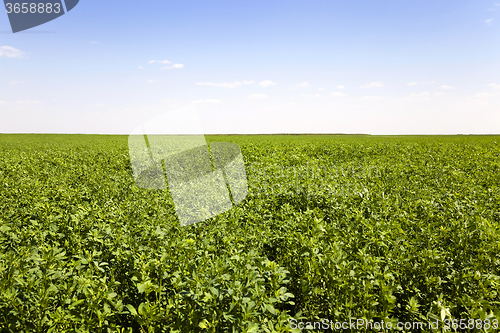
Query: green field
393	228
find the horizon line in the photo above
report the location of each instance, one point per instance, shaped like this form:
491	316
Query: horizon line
241	134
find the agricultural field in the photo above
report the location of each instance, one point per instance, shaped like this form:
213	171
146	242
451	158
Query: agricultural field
337	227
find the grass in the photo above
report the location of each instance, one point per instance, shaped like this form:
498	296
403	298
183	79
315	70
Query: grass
393	228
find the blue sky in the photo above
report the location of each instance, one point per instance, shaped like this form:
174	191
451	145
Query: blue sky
275	66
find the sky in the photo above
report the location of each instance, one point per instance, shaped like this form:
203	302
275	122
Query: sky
252	67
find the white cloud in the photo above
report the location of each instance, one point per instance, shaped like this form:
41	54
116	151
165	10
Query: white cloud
422	94
494	85
372	98
174	66
3	102
140	67
483	95
340	87
376	84
11	52
446	87
415	83
489	21
208	101
159	61
266	83
337	94
153	81
493	9
257	96
224	84
11	83
302	85
312	95
93	42
28	102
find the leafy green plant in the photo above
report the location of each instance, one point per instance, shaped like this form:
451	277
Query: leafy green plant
337	227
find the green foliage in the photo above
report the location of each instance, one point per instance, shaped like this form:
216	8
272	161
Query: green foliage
337	227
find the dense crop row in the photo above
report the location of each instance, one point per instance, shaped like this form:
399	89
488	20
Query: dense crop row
337	227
